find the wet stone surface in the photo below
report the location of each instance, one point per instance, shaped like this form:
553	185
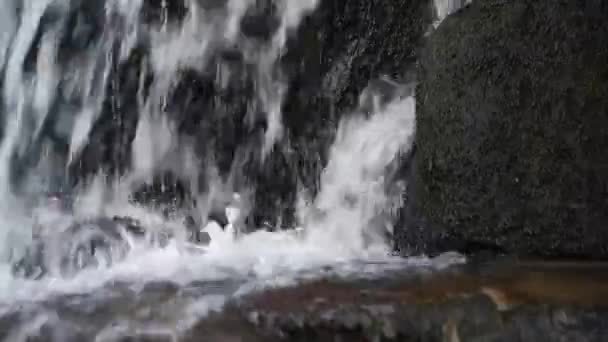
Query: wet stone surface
521	302
498	301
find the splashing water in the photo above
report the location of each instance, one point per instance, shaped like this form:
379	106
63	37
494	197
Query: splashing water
353	184
65	90
444	8
352	195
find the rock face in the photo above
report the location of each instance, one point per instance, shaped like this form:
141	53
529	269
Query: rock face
512	129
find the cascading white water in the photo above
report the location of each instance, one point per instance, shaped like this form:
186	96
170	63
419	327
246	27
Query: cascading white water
353	184
83	79
341	225
342	228
443	8
353	194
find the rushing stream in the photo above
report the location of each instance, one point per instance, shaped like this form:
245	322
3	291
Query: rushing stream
59	73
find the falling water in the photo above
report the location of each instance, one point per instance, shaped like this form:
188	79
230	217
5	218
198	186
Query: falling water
47	86
67	84
443	8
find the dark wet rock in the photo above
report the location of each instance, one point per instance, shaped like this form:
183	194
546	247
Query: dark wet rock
166	190
219	216
261	21
470	319
495	302
511	129
506	305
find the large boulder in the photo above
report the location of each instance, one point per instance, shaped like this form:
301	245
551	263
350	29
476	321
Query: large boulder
512	131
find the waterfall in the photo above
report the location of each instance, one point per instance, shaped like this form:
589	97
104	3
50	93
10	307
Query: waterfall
61	79
100	97
129	130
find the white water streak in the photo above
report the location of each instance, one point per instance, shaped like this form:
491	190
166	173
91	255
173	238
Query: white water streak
94	87
8	26
17	90
353	184
444	8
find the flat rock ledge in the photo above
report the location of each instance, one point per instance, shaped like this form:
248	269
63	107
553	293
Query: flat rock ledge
531	301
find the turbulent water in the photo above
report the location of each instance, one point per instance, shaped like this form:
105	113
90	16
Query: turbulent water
56	95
